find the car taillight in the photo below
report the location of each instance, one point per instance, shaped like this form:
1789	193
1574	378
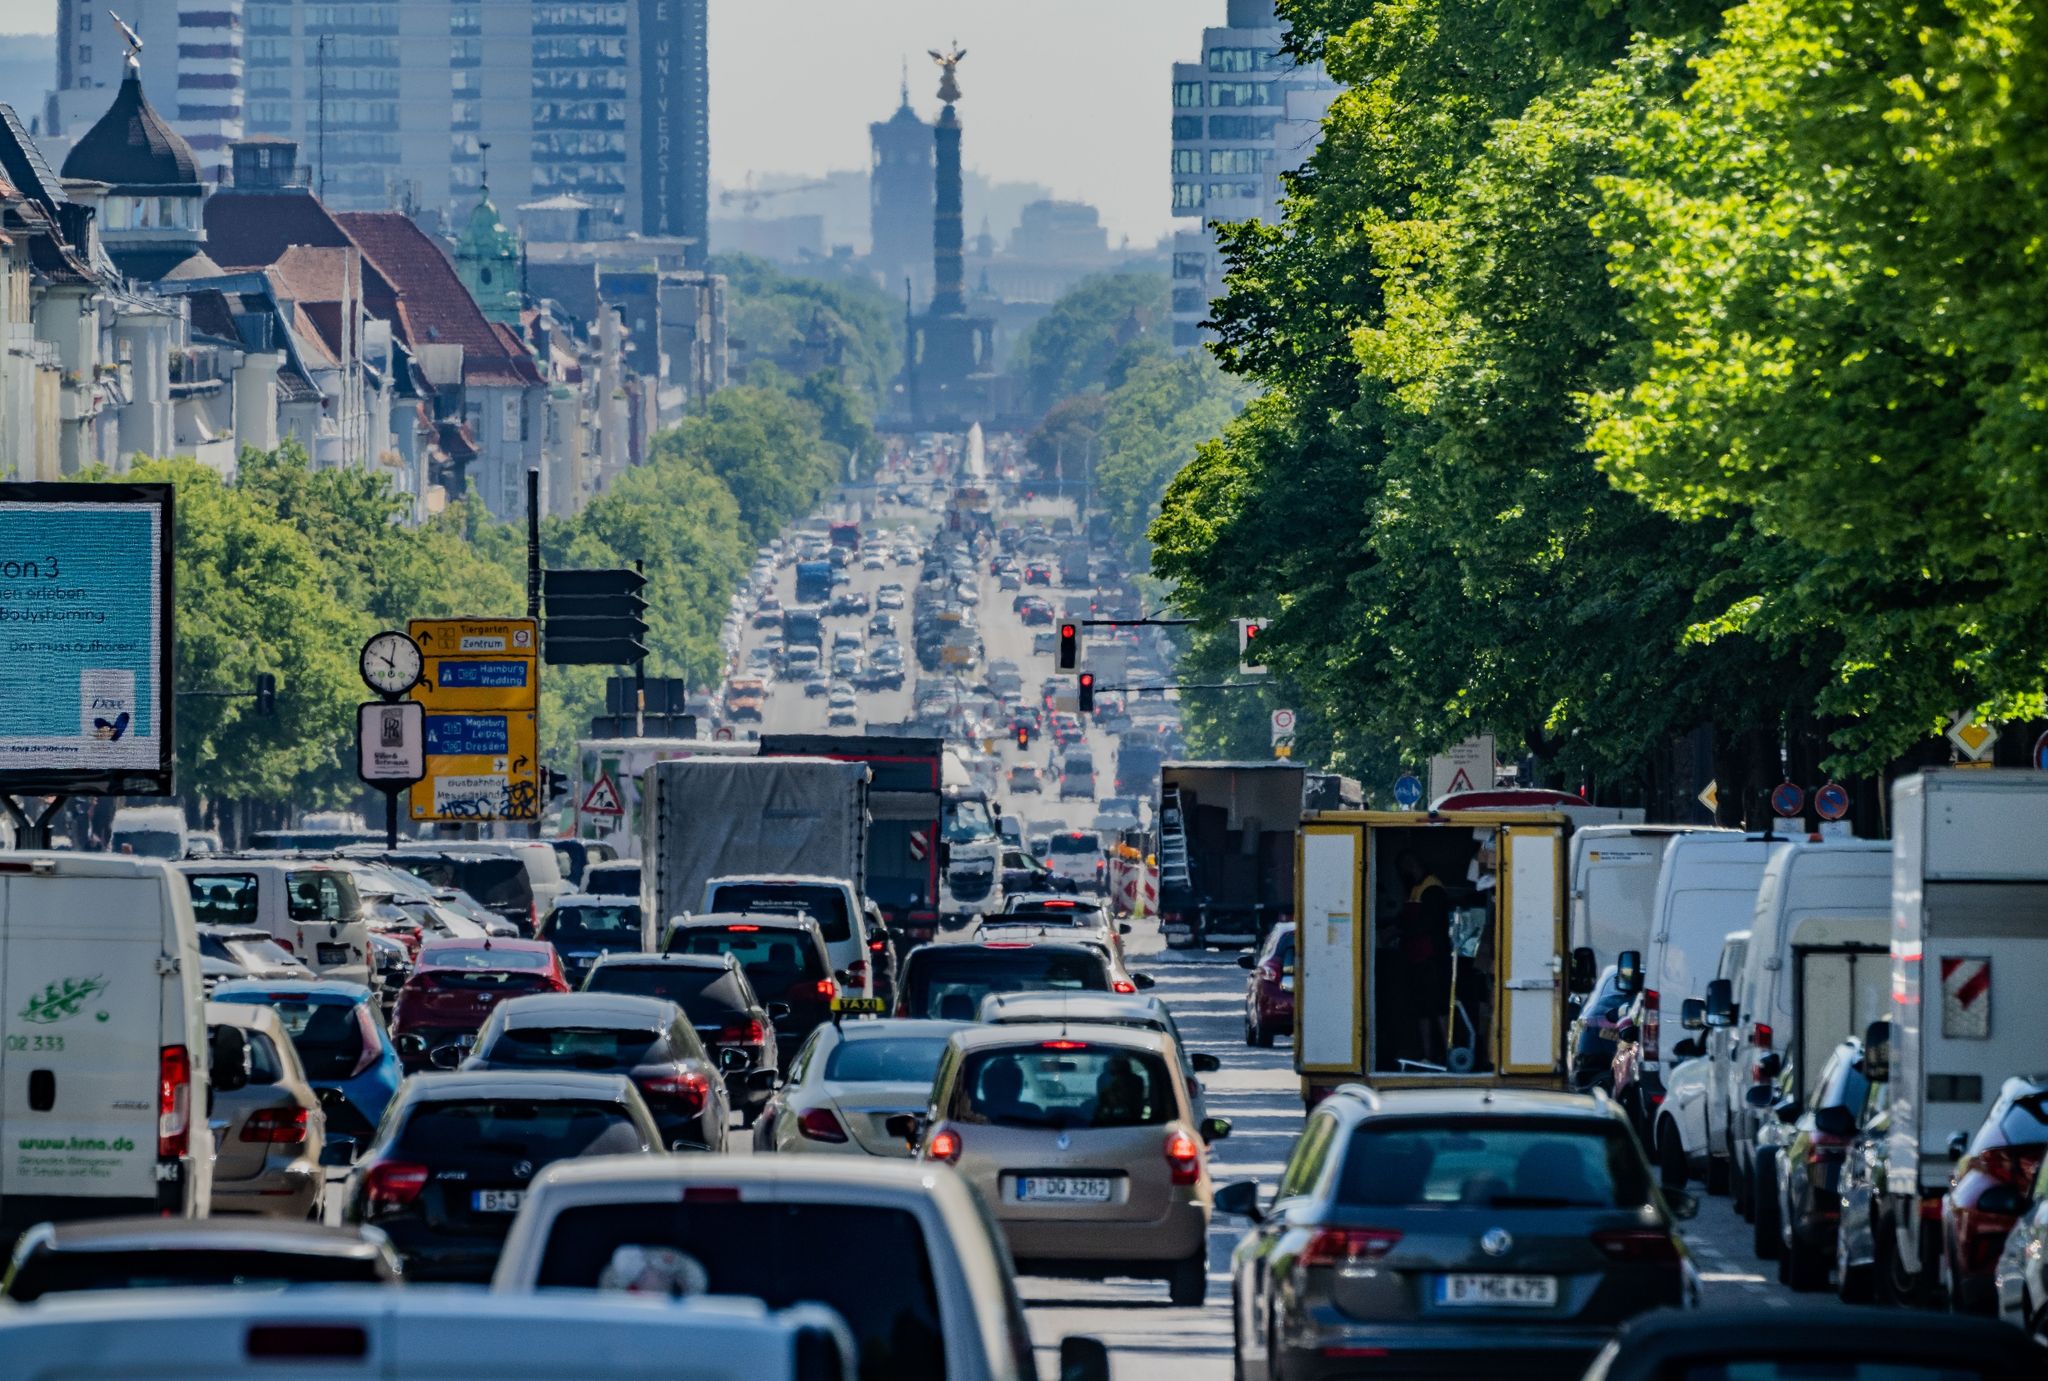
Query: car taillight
944	1145
857	970
876	946
2006	1165
1761	1037
1123	985
1337	1246
903	1005
1184	1158
748	1032
532	917
1823	1148
276	1126
1653	1024
392	1184
285	945
1638	1246
819	1124
827	989
173	1102
689	1089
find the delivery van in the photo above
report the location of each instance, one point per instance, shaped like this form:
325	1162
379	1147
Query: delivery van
309	906
103	1065
1614	889
149	832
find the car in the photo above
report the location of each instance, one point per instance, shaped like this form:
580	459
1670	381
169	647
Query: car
1063	915
1084	1144
1805	1341
1862	1181
309	906
240	951
1038	573
1023	873
784	957
890	596
124	1255
873	561
1993	1188
949	981
583	929
848	1081
816	685
455	985
842	697
1809	1167
1077	854
497	882
613	878
883	625
714	993
268	1134
648	1039
1077	778
1044	644
761	659
450	1164
1068	730
337	1030
1026	777
832	902
1589	1043
1443	1231
769	615
1269	990
1138	1011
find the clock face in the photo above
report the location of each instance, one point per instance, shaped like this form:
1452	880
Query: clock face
391	663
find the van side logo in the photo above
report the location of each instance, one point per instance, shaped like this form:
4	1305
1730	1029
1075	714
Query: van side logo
62	999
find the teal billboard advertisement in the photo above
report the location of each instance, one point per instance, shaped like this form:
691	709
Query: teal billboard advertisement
86	692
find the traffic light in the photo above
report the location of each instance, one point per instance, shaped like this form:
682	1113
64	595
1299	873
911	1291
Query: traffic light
266	693
1086	692
1070	647
555	784
1023	735
1251	657
594	618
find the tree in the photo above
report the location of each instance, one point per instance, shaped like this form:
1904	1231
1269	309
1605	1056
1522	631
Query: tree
1152	419
1073	347
766	446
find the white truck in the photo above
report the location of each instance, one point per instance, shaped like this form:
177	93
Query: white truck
1614	891
1969	965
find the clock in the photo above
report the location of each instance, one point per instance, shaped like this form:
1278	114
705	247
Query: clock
391	663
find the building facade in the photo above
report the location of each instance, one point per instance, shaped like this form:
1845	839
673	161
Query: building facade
1244	114
192	58
902	191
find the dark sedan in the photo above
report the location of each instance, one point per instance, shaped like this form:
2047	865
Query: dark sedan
1269	991
713	991
1809	1167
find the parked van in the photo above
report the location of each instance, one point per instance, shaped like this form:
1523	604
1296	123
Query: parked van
1614	888
309	907
149	832
103	1066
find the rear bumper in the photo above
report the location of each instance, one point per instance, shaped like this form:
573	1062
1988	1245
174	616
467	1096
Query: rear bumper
1096	1247
287	1193
1480	1349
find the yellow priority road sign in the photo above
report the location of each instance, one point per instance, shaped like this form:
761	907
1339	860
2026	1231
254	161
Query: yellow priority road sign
480	686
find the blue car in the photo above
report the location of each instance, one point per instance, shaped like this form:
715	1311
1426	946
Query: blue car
338	1031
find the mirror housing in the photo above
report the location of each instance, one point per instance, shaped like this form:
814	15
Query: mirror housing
1123	927
1240	1200
227	1058
1083	1359
1721	1002
1758	1096
411	1047
731	1061
339	1150
1205	1063
778	1011
1771	1064
1958	1145
1215	1128
1877	1052
1786	1110
1628	1033
1585	971
906	1125
1628	971
1247	960
447	1057
1834	1120
762	1078
1688	1049
1142	980
1692	1014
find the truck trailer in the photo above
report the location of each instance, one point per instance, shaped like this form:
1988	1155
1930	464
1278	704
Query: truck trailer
1226	850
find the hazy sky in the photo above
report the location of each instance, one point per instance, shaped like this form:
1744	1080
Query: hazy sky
1070	93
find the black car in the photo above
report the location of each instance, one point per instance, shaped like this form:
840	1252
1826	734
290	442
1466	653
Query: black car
1803	1343
949	981
455	1152
713	991
647	1039
182	1253
1809	1166
1589	1044
1440	1232
584	928
785	960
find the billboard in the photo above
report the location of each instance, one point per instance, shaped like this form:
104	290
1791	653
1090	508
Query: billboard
86	639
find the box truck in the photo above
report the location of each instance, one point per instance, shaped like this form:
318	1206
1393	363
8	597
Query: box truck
1226	850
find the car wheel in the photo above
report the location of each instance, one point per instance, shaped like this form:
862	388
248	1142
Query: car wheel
1671	1167
1187	1284
1739	1190
1718	1176
1763	1203
1802	1266
1236	1335
1259	1035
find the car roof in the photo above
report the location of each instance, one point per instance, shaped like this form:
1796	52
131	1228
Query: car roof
312	989
981	1037
518	1083
763	920
803	879
591	899
880	1028
612	865
213	1234
623	1010
1004	947
855	1174
1484	1102
1059	901
1648	1346
233	932
1070	1007
618	959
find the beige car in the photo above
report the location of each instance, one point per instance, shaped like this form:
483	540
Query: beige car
1084	1142
268	1134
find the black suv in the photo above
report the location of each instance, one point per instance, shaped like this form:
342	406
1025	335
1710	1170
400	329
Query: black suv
784	958
713	991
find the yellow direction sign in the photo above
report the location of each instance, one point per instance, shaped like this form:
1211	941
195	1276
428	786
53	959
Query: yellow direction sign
1710	797
480	685
1973	740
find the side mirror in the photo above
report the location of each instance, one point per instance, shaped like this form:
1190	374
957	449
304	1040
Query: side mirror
1834	1120
1205	1063
1083	1359
905	1125
1958	1145
1758	1096
1684	1207
1877	1052
1721	1002
227	1058
1692	1014
1142	981
1241	1200
1247	960
446	1057
1123	927
1628	1033
778	1011
1770	1064
411	1047
1628	971
1584	971
1215	1128
1786	1110
731	1061
339	1150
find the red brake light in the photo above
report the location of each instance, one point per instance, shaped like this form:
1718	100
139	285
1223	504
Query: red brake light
1761	1037
748	1032
875	946
1062	1045
2006	1165
1653	1023
744	929
827	988
1006	944
1184	1157
1057	905
819	1124
1336	1246
1639	1246
944	1145
857	970
1123	985
392	1184
173	1102
276	1126
689	1089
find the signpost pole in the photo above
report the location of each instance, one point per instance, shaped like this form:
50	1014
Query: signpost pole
533	541
640	682
391	820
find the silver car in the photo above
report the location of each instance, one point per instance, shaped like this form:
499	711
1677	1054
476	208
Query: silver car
267	1134
1136	1011
848	1081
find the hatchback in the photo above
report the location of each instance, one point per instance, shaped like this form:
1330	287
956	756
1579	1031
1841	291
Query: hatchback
784	958
337	1031
1269	991
713	991
1452	1231
455	985
948	982
1808	1168
849	1081
267	1134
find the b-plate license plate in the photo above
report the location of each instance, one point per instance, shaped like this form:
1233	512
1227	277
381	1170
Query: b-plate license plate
497	1200
332	954
1068	1189
1496	1292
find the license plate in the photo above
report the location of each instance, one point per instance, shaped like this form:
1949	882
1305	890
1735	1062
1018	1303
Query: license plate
1069	1189
1603	1033
497	1200
332	954
1491	1292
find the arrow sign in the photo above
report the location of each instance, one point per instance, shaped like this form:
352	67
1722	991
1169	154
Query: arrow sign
1408	791
592	606
621	580
580	630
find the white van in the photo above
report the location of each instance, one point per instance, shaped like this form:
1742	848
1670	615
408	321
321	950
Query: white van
419	1333
149	832
1614	887
103	1066
309	906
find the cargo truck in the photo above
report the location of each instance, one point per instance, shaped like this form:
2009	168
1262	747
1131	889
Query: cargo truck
813	582
1226	850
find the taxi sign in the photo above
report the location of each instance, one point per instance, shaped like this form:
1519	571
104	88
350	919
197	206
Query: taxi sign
859	1006
480	689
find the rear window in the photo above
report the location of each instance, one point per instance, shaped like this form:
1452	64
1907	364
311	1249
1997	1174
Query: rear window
825	905
1077	916
1075	843
329	1036
54	1273
481	960
1492	1163
499	883
222	898
594	925
612	882
783	1254
529	1129
2024	1120
1065	1084
607	1049
896	1060
951	986
694	990
760	948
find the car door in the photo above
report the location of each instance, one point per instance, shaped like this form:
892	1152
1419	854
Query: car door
1260	1253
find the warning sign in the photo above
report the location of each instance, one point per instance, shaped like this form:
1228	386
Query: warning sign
603	797
1966	999
1467	767
920	845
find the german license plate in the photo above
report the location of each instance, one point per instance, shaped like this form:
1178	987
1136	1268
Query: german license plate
332	954
1496	1292
497	1200
1065	1189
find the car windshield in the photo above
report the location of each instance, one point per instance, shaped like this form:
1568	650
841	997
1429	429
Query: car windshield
530	1129
594	925
53	1273
885	1060
825	905
775	960
604	1048
1075	842
1493	1163
329	1036
689	988
967	822
951	986
782	1253
1053	915
1066	1083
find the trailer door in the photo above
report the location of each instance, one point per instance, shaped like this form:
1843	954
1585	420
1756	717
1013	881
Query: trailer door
1329	955
1531	941
1838	991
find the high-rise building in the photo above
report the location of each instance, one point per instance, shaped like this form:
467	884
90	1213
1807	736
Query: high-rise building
191	59
412	103
1243	114
901	192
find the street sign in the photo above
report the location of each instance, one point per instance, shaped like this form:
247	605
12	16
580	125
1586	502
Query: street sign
1408	791
1831	802
391	742
603	797
480	691
1467	767
1973	740
1710	797
1283	733
1788	799
594	617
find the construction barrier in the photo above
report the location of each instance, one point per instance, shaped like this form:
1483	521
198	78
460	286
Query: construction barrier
1133	883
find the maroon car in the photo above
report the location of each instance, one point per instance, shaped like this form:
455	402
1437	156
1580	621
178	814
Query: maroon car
1269	995
1992	1189
455	985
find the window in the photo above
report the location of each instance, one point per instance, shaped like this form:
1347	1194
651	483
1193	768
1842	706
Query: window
699	992
1492	1163
1187	300
440	1133
223	898
1065	1084
1247	60
1241	93
1305	1166
323	896
1195	266
1187	160
1233	161
587	924
895	1060
85	22
1187	127
1187	93
85	54
825	905
1225	191
607	1049
1248	127
1187	196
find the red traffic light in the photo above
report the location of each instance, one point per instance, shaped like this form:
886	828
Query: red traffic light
1023	736
1087	692
1070	647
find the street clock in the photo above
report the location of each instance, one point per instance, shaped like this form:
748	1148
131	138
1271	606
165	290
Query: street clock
391	663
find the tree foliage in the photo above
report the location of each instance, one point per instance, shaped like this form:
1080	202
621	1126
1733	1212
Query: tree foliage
1073	348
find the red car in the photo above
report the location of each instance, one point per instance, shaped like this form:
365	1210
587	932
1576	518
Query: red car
455	985
1269	995
1992	1189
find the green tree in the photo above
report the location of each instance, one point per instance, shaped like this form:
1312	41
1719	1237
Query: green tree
1073	348
1160	408
768	449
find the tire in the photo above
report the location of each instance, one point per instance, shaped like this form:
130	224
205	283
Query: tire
1672	1172
1187	1283
1802	1267
1763	1204
1255	1033
1853	1284
1739	1190
1236	1336
1719	1174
